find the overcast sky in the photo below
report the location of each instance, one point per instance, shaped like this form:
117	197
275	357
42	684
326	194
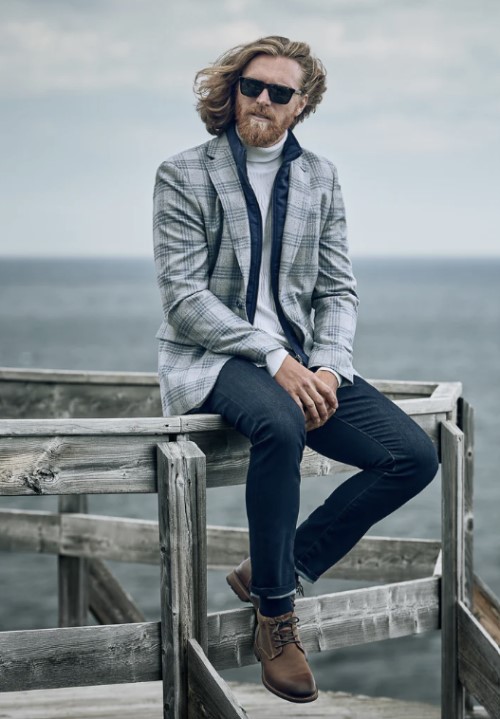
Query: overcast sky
94	94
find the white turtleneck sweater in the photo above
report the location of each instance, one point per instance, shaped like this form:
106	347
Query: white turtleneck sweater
263	164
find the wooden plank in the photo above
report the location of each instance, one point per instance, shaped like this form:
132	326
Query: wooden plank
478	661
131	652
108	600
77	465
182	523
116	538
382	559
486	608
79	656
118	464
144	701
64	376
16	374
87	464
209	695
38	400
452	474
465	420
466	424
331	621
156	425
29	531
160	426
72	575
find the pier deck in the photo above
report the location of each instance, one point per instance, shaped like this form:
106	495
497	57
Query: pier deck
144	700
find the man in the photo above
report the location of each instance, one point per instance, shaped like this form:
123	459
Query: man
260	311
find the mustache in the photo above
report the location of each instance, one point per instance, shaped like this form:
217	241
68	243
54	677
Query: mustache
258	110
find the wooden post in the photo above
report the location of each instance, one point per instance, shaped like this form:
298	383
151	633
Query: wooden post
466	424
182	523
73	574
465	421
452	473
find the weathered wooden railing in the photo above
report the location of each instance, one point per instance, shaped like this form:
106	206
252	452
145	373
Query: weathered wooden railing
74	434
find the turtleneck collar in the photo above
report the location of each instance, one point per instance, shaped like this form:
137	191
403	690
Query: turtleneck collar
264	154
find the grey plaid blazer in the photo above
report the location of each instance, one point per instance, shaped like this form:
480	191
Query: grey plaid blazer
202	256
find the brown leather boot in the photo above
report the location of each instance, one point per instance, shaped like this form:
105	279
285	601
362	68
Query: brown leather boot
285	671
240	579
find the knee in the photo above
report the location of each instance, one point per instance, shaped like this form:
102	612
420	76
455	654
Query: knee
284	429
422	462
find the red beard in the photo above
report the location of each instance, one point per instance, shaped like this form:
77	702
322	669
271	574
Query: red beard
260	134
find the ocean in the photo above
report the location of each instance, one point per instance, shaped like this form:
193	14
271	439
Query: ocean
419	319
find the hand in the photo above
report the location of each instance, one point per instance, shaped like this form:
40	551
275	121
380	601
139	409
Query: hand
313	392
329	379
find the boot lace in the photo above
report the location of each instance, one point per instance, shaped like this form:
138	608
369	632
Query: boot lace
299	588
285	632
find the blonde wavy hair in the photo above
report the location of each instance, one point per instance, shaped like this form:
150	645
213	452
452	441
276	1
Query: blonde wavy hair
215	86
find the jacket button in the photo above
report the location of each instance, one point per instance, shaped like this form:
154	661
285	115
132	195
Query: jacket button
239	304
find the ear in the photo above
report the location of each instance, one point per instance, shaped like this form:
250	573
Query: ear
301	105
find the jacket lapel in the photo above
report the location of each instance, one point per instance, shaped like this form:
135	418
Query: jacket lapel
298	204
224	175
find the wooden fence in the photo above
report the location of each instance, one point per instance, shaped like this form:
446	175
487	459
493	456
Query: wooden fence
75	434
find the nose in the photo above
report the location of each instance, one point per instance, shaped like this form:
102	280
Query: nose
264	98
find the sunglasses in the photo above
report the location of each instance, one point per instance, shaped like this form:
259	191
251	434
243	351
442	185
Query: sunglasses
281	94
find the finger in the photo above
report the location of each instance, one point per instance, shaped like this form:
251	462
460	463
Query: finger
310	408
311	397
325	390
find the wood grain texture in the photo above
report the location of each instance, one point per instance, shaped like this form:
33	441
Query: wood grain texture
209	695
121	463
486	608
452	475
383	559
466	424
465	420
79	656
478	661
182	523
331	621
108	600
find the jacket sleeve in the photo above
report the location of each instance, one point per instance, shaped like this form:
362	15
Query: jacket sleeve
334	299
191	310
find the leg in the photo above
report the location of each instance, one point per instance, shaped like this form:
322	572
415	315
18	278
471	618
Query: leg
255	404
397	460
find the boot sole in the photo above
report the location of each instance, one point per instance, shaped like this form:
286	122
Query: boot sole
282	695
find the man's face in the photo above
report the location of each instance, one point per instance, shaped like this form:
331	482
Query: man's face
260	122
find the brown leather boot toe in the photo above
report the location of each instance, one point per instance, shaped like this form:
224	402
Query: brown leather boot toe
285	671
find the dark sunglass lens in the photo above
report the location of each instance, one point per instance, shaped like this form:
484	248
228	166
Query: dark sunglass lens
280	94
251	88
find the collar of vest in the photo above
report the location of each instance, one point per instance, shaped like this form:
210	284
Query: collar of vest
291	149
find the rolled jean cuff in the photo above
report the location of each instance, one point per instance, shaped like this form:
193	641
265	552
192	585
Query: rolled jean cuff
304	574
274	592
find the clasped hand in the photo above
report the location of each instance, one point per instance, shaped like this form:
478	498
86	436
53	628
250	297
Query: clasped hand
315	393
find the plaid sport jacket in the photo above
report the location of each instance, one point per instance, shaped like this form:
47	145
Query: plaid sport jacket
203	255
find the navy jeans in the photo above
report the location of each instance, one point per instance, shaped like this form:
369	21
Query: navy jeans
395	456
